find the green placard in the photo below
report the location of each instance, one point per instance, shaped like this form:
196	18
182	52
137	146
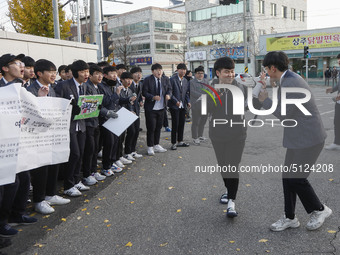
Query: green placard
89	106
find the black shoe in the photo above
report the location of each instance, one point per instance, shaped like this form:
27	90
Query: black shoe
21	220
6	231
181	144
173	147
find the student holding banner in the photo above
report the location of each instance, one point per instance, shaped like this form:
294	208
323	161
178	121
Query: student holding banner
45	178
14	196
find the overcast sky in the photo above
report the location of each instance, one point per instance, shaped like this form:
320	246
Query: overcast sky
320	13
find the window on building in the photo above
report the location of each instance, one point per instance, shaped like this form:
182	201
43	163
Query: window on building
284	12
302	16
231	38
261	6
169	27
273	9
168	48
292	14
136	28
140	48
217	11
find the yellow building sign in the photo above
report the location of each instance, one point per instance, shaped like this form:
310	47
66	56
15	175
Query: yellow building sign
297	42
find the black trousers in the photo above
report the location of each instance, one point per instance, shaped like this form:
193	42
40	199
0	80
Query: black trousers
120	148
72	171
44	181
91	151
229	154
14	197
132	134
296	184
337	124
198	121
110	146
154	122
165	119
177	124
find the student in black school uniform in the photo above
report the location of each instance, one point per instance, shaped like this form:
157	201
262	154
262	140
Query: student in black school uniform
29	75
14	196
91	176
72	89
121	68
136	87
44	179
62	73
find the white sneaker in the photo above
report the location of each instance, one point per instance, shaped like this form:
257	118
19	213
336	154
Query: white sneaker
231	212
224	198
129	157
107	172
202	139
57	200
332	146
116	169
136	155
151	151
285	223
81	187
119	164
98	176
72	192
317	218
158	148
197	141
43	207
90	180
125	161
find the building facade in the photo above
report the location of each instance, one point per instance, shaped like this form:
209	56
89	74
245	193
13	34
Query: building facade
324	46
215	30
147	36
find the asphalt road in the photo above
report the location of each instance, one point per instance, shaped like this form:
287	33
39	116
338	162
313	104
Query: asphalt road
160	205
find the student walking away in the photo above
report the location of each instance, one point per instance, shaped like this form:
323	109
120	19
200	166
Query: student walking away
178	104
44	179
156	90
14	196
334	76
336	144
304	143
228	140
72	89
198	120
328	75
90	173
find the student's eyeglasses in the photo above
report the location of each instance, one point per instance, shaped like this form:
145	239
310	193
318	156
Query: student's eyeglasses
18	63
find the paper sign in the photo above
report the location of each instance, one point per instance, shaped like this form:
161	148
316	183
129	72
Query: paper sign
119	125
89	106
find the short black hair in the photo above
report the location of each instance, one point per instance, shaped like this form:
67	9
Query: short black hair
224	63
61	68
68	68
28	61
338	57
95	68
44	65
199	69
136	69
121	66
126	75
156	66
188	71
91	63
108	69
181	66
279	59
78	65
103	64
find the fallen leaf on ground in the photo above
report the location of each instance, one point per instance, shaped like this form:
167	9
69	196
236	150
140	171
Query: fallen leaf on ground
108	225
84	209
331	180
63	219
44	226
97	207
179	156
20	230
86	226
204	199
39	245
164	164
263	241
132	202
87	213
248	185
79	217
231	241
163	244
46	216
238	249
179	210
129	244
171	187
331	231
106	221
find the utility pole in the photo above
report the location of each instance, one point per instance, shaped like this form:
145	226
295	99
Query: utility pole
97	18
245	43
92	22
56	19
78	23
